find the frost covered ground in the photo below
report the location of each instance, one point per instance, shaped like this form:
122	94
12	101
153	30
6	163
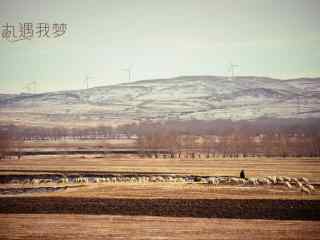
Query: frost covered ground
189	97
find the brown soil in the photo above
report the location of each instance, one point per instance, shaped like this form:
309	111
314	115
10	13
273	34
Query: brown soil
200	208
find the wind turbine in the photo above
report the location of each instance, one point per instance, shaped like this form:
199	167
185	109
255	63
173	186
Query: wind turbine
232	68
27	88
34	84
31	87
129	71
86	81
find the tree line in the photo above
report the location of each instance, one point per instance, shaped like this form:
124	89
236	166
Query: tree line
193	138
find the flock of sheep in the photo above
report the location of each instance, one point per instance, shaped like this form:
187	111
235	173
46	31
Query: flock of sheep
299	183
302	183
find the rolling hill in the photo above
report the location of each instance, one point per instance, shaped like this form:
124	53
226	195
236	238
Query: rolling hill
185	97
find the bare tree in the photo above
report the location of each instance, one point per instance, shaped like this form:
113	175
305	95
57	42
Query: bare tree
6	144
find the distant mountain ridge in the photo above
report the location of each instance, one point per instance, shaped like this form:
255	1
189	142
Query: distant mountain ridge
185	97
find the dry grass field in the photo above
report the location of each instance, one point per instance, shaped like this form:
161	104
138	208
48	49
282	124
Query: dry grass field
180	191
292	167
168	191
79	226
65	226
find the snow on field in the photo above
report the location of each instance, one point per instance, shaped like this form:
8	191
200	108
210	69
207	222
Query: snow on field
201	97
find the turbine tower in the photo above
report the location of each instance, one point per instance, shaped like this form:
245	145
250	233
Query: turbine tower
27	88
129	71
31	87
232	68
34	84
86	81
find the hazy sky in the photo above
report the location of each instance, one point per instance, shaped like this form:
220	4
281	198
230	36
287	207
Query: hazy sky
159	39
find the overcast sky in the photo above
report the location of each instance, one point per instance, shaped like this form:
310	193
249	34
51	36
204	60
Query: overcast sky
159	39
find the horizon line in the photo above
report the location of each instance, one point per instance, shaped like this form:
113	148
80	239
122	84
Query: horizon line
157	79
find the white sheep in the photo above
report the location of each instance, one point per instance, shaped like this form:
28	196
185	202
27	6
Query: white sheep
146	178
267	181
288	185
113	179
49	180
310	187
212	181
260	180
42	181
26	181
242	181
170	179
273	179
264	181
133	179
63	180
118	179
305	180
79	180
35	181
160	179
82	180
202	180
270	178
299	184
153	179
288	179
96	180
188	179
14	181
221	179
252	181
234	180
280	180
305	190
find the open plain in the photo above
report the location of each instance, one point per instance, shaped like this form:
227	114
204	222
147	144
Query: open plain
129	196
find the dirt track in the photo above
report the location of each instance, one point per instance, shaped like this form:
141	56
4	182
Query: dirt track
201	208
